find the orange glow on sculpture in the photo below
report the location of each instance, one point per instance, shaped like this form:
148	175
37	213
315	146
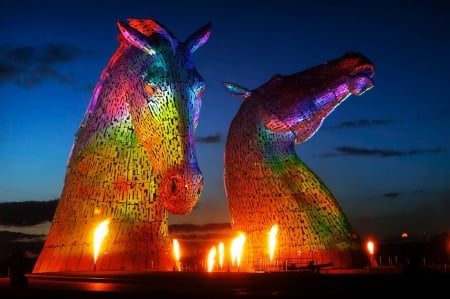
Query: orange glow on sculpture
99	234
237	247
211	258
133	159
272	241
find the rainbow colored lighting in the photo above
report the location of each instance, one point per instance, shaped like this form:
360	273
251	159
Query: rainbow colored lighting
266	182
133	160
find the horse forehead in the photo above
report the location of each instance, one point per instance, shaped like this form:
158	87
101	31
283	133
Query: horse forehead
178	82
299	85
178	68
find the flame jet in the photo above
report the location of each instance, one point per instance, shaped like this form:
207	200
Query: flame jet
133	160
265	180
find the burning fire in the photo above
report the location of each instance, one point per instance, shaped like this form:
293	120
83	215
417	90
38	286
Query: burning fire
370	247
211	258
236	249
100	233
176	252
272	240
221	254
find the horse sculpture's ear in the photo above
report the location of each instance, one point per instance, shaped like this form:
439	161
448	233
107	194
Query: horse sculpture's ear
135	38
237	90
199	38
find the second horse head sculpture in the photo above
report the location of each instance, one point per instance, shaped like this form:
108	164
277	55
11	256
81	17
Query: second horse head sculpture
266	182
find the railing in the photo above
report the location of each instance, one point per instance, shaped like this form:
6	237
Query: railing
291	264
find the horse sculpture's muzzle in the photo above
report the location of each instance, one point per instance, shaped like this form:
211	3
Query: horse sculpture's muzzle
181	188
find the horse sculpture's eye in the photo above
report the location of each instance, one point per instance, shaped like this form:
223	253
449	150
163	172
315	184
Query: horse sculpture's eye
199	93
149	89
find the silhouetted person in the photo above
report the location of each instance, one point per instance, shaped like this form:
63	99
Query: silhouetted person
17	266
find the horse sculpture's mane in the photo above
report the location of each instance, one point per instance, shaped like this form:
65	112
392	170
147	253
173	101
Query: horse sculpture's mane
133	160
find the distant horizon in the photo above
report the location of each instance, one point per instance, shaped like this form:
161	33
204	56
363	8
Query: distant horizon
377	233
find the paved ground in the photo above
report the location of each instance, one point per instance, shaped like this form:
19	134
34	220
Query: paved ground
230	285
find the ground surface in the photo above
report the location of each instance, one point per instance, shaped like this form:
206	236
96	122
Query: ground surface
230	285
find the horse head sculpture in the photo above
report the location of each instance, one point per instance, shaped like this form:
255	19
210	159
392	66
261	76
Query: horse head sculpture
133	159
164	96
267	184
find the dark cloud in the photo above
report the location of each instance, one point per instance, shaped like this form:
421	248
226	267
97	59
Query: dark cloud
179	228
20	56
8	71
398	194
205	234
383	153
419	191
29	66
209	139
445	111
391	194
430	218
27	213
362	123
197	240
439	114
212	237
11	242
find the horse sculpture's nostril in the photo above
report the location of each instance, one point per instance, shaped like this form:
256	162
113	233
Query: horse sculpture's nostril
174	186
181	189
174	182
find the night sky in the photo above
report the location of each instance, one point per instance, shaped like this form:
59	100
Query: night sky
384	155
